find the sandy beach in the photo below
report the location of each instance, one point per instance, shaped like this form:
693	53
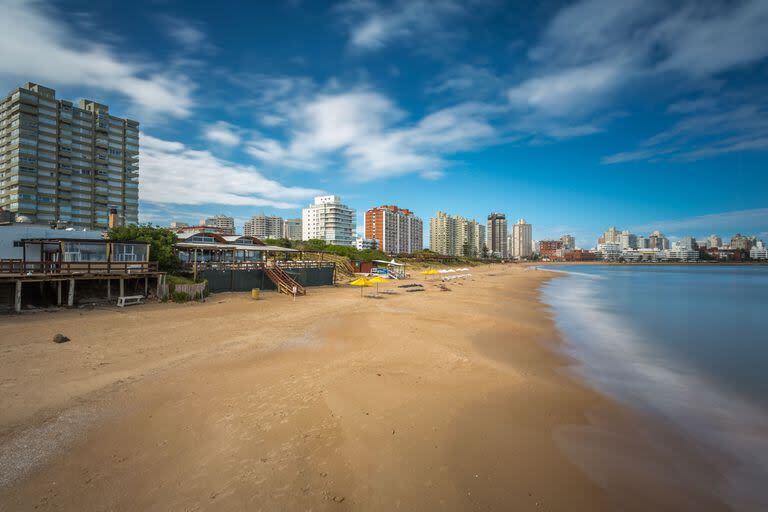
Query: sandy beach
433	400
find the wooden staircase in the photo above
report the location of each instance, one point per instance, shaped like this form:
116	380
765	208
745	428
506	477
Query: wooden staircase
284	282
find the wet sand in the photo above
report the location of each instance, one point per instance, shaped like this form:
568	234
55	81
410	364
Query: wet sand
453	400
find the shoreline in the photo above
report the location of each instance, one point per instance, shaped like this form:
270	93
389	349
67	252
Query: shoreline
455	400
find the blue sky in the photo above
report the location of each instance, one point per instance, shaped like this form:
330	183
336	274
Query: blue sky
574	115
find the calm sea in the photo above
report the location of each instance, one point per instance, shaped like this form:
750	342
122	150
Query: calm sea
686	343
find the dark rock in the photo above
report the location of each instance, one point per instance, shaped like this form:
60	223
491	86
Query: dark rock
60	338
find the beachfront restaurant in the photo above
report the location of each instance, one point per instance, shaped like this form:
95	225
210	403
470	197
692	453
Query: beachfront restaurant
69	270
205	249
78	256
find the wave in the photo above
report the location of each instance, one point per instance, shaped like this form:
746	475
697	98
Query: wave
618	361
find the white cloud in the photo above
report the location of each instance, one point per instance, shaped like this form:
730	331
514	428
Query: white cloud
565	91
222	133
593	51
172	173
709	127
371	138
428	25
36	46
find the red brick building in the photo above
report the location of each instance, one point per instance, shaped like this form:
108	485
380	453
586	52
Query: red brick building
551	249
396	230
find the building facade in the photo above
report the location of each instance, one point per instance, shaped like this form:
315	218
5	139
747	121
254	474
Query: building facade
551	249
364	244
292	229
65	163
569	242
330	220
456	236
522	239
264	226
496	235
225	225
396	230
627	240
714	241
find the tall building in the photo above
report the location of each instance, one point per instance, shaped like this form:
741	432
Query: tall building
442	234
226	225
522	239
741	242
658	241
496	235
396	230
264	226
612	236
689	243
456	236
292	229
329	220
627	240
67	163
714	241
569	242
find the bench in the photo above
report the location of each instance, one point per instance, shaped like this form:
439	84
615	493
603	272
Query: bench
129	300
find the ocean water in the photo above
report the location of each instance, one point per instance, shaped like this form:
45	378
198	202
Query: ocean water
688	344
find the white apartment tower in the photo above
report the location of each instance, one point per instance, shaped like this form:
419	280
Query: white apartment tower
61	162
522	239
329	220
264	226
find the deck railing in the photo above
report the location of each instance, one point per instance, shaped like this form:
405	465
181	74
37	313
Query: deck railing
255	265
17	266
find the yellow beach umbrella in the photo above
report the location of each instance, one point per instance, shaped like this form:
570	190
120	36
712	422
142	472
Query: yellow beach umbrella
430	272
361	282
377	280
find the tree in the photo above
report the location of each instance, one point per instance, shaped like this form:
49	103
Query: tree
314	245
161	243
278	242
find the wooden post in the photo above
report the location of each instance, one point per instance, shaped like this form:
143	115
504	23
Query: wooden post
122	287
17	302
146	286
58	293
159	285
194	267
109	289
71	293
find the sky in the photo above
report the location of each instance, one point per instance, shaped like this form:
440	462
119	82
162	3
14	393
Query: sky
577	116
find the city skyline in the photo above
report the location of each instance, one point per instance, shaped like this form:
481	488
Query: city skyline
431	108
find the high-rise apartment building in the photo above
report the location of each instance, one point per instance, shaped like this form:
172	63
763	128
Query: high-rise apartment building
292	229
396	230
627	240
522	239
456	236
741	242
496	235
61	162
329	220
612	236
714	241
264	226
658	241
225	225
569	242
